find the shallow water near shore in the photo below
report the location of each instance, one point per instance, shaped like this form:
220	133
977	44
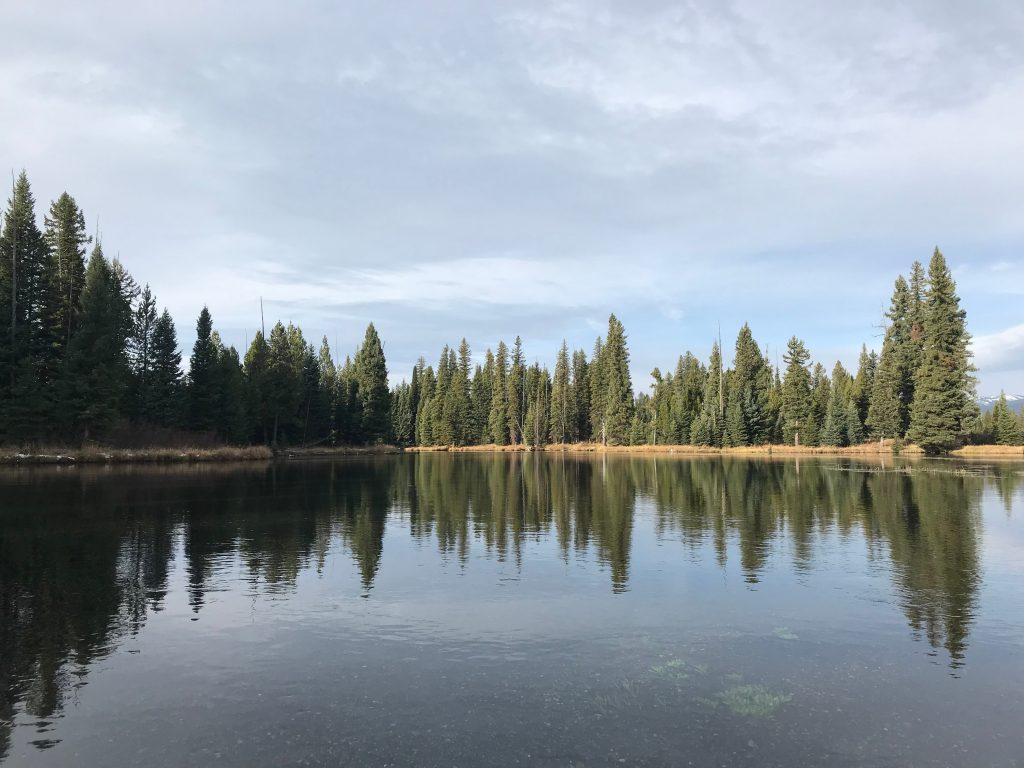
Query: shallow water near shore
461	609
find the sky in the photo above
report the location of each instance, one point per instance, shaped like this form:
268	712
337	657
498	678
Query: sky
485	169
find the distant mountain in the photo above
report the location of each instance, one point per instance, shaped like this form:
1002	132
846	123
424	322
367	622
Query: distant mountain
1016	402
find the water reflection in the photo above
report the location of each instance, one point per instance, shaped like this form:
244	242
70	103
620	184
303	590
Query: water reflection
85	556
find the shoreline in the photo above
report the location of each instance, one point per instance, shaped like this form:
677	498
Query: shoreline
864	450
231	454
188	455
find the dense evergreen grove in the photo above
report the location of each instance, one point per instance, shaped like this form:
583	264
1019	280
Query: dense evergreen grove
84	351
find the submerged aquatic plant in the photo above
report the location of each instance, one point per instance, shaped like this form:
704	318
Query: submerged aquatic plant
785	633
752	700
675	668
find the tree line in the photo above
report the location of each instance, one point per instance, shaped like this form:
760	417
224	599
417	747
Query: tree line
83	349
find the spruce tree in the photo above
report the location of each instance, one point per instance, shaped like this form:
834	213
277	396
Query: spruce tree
457	405
498	417
618	401
515	394
24	343
581	396
943	393
96	371
835	429
1004	423
796	394
162	397
561	398
751	381
372	377
201	390
711	427
140	351
66	242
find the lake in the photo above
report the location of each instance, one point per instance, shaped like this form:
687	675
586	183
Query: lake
501	609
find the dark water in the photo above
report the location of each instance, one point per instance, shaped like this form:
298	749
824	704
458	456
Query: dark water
497	610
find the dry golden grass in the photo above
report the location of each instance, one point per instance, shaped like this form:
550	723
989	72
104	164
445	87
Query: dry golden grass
370	450
990	451
873	448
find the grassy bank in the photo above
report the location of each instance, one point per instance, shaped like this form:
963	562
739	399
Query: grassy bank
873	448
104	455
182	455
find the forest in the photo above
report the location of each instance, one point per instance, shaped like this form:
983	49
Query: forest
86	355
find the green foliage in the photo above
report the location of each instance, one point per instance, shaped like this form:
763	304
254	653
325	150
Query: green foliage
372	382
1005	424
796	400
202	387
943	383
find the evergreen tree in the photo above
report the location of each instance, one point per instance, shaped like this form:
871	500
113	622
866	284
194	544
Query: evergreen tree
402	415
202	385
498	417
751	382
66	242
140	351
835	430
561	399
457	406
1004	424
24	343
796	393
581	396
515	394
372	378
480	397
709	428
821	391
618	401
162	395
892	391
860	391
96	371
943	384
326	392
687	396
230	413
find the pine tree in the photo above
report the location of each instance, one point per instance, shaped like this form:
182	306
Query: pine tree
372	378
202	384
796	393
943	384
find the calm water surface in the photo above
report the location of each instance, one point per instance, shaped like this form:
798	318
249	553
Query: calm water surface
501	610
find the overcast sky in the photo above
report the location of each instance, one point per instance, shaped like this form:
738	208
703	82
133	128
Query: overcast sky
485	169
